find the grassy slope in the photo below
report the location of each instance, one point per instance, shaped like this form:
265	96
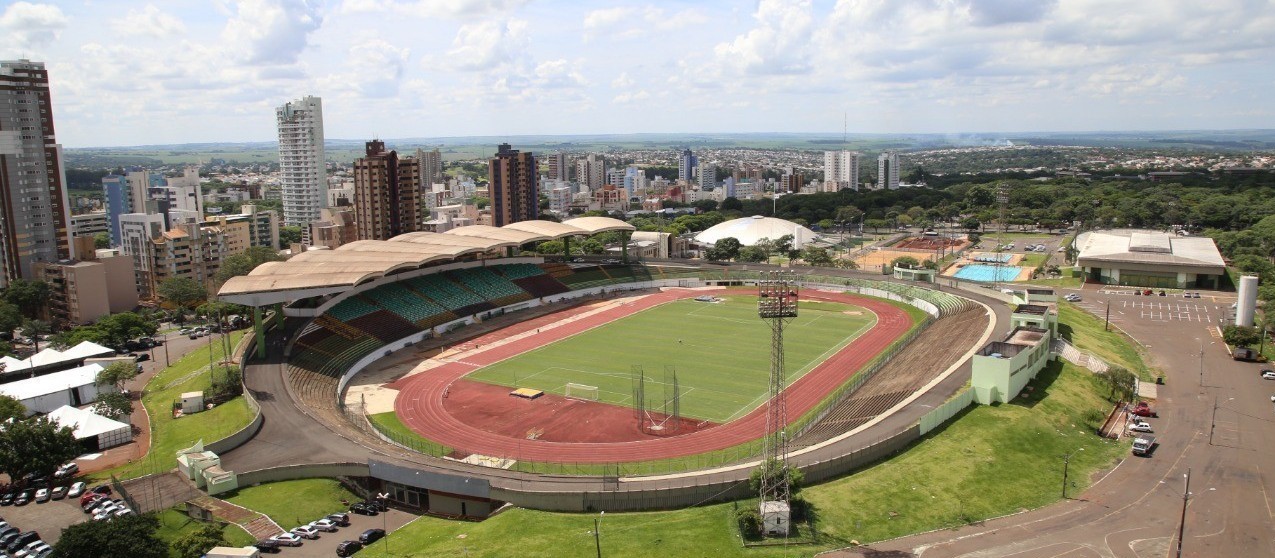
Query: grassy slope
293	503
1086	332
173	524
721	353
168	434
990	461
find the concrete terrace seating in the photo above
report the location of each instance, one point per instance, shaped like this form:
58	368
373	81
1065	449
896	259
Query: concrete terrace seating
519	271
448	294
541	285
486	283
385	325
406	303
351	308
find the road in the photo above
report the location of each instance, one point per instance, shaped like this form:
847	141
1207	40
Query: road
1215	421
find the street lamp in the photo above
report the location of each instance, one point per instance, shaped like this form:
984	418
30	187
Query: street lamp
597	534
385	518
1066	463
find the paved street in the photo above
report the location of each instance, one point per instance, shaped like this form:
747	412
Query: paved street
1215	420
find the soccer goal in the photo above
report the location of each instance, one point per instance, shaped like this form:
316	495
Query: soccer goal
581	391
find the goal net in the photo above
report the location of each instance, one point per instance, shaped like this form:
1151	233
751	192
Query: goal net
581	391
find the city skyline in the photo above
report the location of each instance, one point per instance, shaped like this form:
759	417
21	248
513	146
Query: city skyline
135	73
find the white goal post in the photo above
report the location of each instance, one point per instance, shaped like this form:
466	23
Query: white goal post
581	391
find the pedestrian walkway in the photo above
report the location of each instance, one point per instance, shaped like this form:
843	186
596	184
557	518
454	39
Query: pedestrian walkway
256	524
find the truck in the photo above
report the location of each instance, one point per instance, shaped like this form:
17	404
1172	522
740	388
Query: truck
1143	444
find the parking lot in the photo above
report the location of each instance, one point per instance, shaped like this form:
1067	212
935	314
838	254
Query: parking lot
1126	306
48	518
325	545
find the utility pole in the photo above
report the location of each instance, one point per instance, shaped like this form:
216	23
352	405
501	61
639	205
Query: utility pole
1201	361
1106	326
1186	495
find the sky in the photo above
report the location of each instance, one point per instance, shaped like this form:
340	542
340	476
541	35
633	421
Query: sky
127	72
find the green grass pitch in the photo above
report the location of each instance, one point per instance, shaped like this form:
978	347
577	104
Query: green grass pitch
721	352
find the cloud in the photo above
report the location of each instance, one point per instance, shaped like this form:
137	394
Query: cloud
622	81
630	22
626	98
778	45
28	25
377	68
433	8
1000	12
148	21
271	31
488	44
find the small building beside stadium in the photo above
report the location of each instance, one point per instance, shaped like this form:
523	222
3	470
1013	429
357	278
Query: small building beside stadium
1001	369
1154	259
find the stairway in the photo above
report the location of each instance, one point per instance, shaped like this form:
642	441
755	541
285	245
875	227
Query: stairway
256	524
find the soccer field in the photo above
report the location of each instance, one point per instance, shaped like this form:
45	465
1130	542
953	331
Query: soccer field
721	353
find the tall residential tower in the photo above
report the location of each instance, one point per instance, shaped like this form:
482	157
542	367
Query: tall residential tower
842	168
387	193
514	194
303	176
888	171
34	213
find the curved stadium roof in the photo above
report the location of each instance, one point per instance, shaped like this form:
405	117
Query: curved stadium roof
357	262
749	230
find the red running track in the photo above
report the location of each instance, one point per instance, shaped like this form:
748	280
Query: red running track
420	401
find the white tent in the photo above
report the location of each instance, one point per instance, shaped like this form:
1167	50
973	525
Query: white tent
43	394
53	358
97	431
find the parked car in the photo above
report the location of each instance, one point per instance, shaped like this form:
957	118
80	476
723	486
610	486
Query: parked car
305	532
1142	409
87	497
1268	375
326	525
378	505
24	498
287	539
102	489
66	471
267	546
58	493
23	540
1072	297
8	536
1140	426
371	535
6	499
362	509
122	512
76	490
341	519
42	495
348	548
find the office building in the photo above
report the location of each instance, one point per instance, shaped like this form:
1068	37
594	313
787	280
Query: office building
557	166
303	177
34	207
888	171
686	165
841	170
511	176
591	172
387	193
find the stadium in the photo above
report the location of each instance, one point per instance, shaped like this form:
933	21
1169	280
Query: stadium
477	376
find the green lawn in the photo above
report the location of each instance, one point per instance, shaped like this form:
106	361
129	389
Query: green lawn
173	524
721	353
1085	331
169	434
296	502
990	461
1033	260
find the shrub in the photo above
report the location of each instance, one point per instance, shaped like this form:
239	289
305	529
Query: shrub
749	520
1240	336
226	385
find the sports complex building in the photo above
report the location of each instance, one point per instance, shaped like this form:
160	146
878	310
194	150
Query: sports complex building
1155	259
472	376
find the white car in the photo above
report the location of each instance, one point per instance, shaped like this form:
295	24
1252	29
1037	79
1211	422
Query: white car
122	512
324	525
76	490
1268	375
1072	297
305	532
42	495
287	539
1140	427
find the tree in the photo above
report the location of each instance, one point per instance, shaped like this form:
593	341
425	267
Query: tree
11	408
776	473
849	214
129	536
102	240
34	329
36	446
729	247
195	543
731	204
1240	336
10	317
905	261
117	374
29	296
816	256
752	254
289	235
182	291
245	262
112	405
1121	383
783	244
705	206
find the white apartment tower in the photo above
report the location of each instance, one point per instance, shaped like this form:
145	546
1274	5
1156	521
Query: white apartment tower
888	171
591	173
303	177
841	167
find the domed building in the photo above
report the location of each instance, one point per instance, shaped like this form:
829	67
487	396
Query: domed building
749	230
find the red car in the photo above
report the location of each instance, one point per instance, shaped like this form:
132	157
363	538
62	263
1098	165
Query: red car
1142	409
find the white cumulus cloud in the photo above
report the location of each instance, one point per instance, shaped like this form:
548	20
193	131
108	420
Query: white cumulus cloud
488	44
27	25
149	21
271	31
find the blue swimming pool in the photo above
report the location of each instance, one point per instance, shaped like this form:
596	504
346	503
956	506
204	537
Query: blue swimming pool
993	258
989	273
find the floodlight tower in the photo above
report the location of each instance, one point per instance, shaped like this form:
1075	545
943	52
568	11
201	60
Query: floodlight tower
1002	199
776	304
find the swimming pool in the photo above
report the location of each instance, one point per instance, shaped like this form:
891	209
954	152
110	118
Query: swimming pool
989	273
993	258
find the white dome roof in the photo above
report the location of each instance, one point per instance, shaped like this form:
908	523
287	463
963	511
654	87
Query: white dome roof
749	230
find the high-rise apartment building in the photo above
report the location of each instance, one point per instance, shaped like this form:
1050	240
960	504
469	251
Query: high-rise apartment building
841	167
431	167
34	209
303	176
686	165
888	171
387	193
707	176
511	176
591	172
557	166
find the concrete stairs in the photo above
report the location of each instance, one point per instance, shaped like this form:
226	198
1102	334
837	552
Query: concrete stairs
256	524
